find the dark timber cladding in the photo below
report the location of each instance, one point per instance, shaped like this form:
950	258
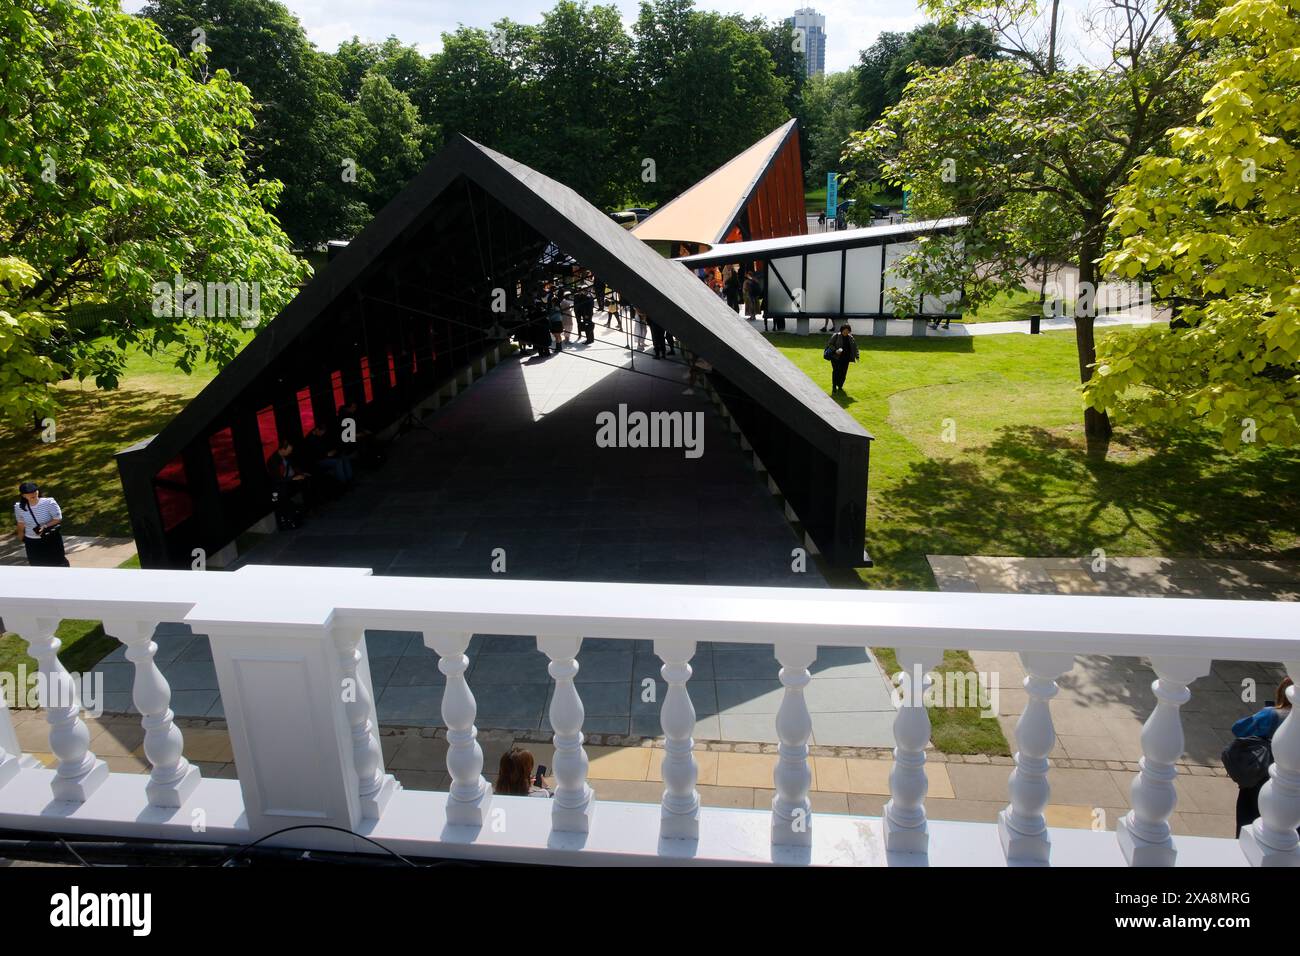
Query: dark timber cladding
408	303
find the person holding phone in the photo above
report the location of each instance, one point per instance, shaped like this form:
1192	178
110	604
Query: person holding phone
37	522
516	776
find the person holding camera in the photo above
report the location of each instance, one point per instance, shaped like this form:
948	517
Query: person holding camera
37	522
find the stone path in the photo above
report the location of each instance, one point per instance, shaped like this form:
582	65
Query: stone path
82	551
845	780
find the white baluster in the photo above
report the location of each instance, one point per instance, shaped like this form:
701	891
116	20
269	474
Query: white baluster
1271	840
904	814
1022	826
1143	833
173	778
573	803
470	794
680	813
79	772
374	786
792	778
10	754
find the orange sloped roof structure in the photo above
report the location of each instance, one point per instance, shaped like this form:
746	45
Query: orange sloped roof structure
755	195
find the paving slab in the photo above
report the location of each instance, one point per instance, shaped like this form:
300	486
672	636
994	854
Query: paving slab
1105	700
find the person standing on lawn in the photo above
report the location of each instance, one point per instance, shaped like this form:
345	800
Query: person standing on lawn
38	520
841	350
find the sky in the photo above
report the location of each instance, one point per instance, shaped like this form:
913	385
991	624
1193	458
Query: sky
851	25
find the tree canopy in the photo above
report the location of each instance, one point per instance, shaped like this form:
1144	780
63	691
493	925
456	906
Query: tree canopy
119	170
1214	219
1029	150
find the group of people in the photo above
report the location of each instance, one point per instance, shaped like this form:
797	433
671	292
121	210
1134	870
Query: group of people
320	466
737	285
553	316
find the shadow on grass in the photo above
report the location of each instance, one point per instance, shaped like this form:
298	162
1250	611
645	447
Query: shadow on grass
78	467
1036	492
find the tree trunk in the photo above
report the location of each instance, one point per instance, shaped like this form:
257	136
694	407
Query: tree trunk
1096	424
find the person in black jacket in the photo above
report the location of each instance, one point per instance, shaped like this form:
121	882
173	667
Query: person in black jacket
584	309
841	350
287	482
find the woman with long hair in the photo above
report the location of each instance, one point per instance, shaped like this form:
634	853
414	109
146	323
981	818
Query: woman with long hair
515	777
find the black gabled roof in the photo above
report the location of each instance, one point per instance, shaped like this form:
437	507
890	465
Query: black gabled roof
668	291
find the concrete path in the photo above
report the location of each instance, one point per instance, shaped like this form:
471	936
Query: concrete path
82	551
1055	324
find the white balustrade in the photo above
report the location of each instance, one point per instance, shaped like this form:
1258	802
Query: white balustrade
374	787
1143	833
680	814
470	794
904	815
1022	826
10	754
172	778
300	712
574	800
792	778
1272	840
80	773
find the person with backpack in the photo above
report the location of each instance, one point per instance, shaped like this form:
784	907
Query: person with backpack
38	520
840	351
1249	756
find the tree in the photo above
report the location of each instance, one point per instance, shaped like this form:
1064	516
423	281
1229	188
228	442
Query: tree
1216	220
829	116
708	89
581	58
118	171
481	87
390	140
403	66
304	134
884	67
980	138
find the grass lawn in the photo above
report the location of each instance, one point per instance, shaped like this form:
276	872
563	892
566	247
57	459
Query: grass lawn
1007	307
1017	479
77	467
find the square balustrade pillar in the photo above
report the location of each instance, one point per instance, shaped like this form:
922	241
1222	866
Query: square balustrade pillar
285	701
